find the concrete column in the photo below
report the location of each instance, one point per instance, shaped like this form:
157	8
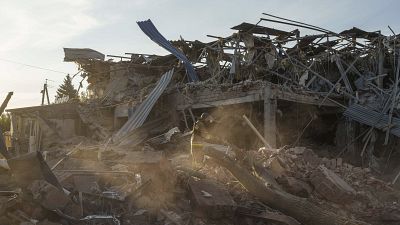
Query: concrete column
270	105
351	137
381	58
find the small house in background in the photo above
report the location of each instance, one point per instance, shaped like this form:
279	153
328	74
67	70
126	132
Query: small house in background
35	127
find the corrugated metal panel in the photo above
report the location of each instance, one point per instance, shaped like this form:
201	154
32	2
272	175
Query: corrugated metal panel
151	31
372	118
143	110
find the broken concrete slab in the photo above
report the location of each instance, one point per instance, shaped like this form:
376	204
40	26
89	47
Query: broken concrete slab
30	167
48	196
329	185
295	186
211	199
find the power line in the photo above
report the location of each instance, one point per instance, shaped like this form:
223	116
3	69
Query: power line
36	67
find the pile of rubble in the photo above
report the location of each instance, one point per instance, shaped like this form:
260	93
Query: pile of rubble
133	166
88	183
345	188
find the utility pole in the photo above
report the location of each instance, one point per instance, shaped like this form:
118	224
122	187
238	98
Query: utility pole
5	102
45	92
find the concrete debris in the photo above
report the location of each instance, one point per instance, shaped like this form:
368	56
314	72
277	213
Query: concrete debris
211	199
295	186
284	128
328	184
148	186
276	166
49	197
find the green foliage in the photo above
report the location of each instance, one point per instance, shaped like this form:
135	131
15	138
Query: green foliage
5	122
67	89
84	96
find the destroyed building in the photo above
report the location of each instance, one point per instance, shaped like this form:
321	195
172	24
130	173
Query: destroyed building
122	156
34	126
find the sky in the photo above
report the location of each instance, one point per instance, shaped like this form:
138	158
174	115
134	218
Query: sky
35	32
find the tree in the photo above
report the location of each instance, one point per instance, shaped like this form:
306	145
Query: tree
67	89
5	122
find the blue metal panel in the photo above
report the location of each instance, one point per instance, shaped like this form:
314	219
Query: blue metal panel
151	31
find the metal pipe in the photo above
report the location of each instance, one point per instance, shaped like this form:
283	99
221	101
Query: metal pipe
256	131
297	25
277	17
